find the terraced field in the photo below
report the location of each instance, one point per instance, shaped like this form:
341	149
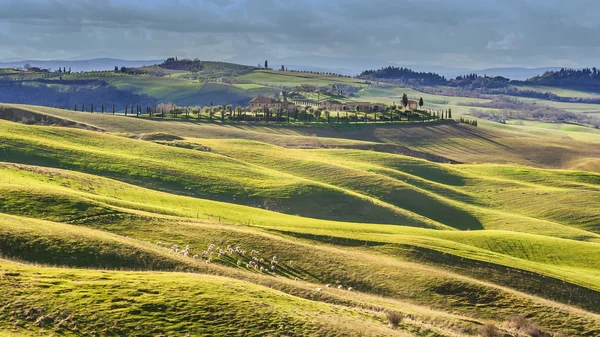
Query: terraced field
387	230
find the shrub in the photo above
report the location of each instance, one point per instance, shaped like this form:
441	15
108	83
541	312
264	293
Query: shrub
522	324
394	319
489	330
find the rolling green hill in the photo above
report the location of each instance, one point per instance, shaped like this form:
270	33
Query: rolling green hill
430	243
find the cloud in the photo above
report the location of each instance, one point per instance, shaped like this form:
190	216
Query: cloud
461	33
509	41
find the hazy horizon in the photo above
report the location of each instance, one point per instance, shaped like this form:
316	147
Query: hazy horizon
433	33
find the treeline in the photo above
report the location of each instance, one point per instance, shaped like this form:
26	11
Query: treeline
71	92
568	74
403	74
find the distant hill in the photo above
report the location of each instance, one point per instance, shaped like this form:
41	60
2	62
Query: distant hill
403	74
81	65
519	74
586	78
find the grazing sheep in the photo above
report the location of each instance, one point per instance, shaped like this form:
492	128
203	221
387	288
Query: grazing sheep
296	279
248	265
272	267
350	288
319	289
262	269
159	243
239	263
185	253
291	263
262	260
171	250
328	285
340	287
195	256
187	247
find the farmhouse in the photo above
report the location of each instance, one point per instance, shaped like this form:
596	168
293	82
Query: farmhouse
267	102
412	105
331	105
362	106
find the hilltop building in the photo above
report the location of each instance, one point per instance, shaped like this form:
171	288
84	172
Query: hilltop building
413	105
267	102
331	105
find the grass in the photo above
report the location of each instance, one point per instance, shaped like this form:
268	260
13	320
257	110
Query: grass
447	247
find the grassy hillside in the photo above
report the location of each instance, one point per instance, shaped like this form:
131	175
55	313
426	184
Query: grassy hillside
87	220
491	143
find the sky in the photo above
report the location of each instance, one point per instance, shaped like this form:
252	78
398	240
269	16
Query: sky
448	33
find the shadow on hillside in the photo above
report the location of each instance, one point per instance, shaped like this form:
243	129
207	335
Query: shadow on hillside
529	282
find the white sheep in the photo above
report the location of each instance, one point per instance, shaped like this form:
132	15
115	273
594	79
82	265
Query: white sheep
328	285
296	279
340	287
350	288
195	256
272	267
239	263
319	289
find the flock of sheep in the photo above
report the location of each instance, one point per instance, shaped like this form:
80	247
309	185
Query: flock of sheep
256	263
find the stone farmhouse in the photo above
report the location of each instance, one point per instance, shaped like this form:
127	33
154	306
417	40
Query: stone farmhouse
413	105
267	102
333	105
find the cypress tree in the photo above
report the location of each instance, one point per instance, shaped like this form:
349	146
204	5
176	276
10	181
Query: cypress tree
113	111
450	113
126	109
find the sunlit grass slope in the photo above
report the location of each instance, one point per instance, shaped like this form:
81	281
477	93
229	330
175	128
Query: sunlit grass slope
448	246
462	143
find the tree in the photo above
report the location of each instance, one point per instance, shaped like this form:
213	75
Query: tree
421	102
266	64
123	69
404	100
116	69
449	113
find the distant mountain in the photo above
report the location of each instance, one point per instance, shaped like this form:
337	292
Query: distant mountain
81	65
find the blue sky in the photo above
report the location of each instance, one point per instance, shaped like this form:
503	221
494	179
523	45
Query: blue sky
458	33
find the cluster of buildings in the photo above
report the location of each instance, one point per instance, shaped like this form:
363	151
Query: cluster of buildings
330	105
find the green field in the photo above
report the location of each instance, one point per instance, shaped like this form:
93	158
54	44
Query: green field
446	226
